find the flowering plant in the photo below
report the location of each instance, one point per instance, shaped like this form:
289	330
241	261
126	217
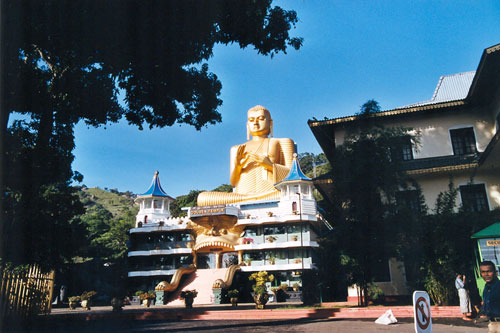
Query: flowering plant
247	240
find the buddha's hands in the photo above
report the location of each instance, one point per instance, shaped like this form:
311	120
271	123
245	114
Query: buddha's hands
260	160
244	159
241	157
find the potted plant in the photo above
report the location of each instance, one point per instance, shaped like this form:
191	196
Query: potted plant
275	291
271	239
117	304
247	240
261	296
147	298
188	296
233	296
73	302
375	294
284	287
271	260
136	298
295	238
296	286
86	298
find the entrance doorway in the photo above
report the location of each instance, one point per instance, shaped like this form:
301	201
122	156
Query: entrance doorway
229	258
206	261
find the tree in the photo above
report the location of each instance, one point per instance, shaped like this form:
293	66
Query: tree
190	199
364	193
314	165
65	62
440	245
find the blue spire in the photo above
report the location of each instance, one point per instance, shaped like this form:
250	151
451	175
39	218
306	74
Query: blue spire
295	172
155	188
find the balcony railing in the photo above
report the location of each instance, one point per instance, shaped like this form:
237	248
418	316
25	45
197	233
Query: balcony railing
162	246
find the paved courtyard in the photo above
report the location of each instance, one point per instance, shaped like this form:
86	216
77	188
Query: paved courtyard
225	319
301	325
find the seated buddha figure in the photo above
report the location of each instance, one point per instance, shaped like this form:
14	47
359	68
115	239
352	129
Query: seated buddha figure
255	166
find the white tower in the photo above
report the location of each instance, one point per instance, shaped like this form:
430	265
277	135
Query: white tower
154	204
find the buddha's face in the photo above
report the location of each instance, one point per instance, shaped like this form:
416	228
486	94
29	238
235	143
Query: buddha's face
259	123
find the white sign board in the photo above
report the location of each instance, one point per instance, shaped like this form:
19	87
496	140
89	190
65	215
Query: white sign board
422	312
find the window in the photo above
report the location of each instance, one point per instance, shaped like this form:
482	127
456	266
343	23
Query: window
252	232
401	149
474	197
463	141
406	150
408	199
276	230
381	271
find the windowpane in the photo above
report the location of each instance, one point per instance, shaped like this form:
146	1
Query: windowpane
463	141
474	197
408	199
252	232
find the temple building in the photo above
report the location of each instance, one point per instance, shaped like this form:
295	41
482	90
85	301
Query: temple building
459	134
268	223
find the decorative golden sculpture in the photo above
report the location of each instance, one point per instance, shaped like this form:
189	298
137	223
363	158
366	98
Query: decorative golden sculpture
257	164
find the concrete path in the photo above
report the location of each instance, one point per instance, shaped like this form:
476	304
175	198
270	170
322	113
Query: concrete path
245	318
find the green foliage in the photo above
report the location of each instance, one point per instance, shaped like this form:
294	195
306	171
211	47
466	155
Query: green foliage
314	165
233	293
74	299
436	246
70	62
188	294
88	295
260	281
259	290
364	192
113	201
107	236
149	295
375	292
188	200
223	188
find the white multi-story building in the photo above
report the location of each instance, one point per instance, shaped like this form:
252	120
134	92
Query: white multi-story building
277	236
459	134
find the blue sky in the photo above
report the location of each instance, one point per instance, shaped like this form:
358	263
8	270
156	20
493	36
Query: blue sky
390	51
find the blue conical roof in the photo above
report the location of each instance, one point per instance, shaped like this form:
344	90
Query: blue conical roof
295	172
155	188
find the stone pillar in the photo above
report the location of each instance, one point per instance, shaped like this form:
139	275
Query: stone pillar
217	260
240	257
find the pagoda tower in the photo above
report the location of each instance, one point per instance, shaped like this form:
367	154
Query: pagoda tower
154	204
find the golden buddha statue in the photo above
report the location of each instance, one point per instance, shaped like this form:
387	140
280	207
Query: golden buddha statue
257	164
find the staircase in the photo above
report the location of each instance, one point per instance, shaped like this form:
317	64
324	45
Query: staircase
201	280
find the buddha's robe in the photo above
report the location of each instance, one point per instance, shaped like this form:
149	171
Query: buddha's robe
256	182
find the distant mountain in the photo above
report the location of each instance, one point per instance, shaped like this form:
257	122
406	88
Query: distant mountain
117	203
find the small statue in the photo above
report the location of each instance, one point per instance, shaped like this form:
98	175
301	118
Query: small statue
255	165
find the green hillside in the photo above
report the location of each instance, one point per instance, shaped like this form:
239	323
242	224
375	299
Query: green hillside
117	203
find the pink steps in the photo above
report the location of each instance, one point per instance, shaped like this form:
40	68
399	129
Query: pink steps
201	280
202	313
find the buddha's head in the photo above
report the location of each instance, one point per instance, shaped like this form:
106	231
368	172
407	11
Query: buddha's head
259	122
